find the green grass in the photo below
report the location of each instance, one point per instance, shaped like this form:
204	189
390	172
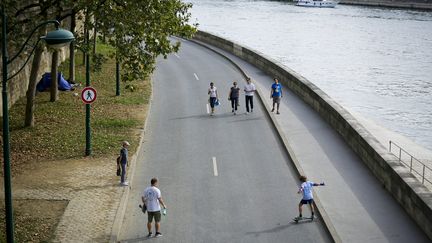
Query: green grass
59	130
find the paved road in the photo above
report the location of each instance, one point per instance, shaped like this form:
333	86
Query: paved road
252	198
357	205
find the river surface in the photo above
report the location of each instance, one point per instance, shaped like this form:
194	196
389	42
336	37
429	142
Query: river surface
373	61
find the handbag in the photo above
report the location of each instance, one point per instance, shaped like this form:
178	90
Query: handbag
143	208
118	166
217	102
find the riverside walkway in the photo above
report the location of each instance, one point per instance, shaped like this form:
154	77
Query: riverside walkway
356	205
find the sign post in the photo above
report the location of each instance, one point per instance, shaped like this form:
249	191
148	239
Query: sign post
88	96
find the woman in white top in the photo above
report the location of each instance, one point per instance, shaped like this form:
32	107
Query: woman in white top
212	91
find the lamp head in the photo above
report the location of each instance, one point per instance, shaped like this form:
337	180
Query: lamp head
58	38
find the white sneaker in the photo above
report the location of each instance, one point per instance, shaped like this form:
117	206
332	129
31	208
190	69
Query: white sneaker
124	183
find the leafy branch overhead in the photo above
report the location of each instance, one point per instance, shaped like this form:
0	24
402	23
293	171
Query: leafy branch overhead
140	31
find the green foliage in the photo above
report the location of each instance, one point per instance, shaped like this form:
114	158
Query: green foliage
60	129
140	31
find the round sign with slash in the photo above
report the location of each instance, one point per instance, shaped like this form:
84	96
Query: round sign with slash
88	95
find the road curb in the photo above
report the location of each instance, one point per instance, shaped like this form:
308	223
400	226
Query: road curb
118	220
326	219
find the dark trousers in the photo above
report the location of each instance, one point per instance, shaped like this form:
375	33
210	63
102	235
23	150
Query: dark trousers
234	103
249	100
123	172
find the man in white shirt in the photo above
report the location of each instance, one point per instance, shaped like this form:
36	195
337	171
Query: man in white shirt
249	90
152	199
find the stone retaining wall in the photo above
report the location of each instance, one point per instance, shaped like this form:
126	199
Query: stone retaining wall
415	198
17	87
414	4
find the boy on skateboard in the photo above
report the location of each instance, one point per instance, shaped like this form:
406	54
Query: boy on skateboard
306	189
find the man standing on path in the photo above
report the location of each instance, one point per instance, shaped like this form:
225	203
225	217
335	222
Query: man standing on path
124	162
234	96
152	199
276	94
249	90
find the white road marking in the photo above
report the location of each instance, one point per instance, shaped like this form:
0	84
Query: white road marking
196	76
215	170
175	54
208	108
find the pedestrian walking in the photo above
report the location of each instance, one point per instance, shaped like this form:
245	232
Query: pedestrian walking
124	162
306	189
212	92
276	94
152	199
233	96
249	90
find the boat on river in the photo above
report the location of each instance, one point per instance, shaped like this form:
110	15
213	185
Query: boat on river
317	3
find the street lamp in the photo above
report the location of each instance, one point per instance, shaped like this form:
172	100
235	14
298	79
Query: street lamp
56	38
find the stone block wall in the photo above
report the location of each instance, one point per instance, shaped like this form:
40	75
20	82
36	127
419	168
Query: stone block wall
415	198
17	87
414	4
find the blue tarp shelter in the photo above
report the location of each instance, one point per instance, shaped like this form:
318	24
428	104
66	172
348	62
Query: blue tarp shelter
45	83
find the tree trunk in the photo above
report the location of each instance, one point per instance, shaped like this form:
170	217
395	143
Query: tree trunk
94	40
85	41
72	52
31	91
54	76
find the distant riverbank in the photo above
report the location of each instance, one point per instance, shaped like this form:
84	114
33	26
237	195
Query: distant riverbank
419	4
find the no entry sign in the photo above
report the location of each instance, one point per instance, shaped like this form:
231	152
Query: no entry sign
88	95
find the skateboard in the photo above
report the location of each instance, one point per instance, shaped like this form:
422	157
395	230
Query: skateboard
297	219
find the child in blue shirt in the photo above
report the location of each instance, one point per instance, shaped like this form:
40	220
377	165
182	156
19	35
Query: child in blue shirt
306	189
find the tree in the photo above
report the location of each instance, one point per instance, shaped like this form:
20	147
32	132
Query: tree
144	36
139	30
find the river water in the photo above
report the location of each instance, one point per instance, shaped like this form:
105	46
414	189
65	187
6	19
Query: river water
373	61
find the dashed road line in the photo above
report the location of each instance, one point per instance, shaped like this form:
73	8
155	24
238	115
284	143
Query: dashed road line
196	76
215	170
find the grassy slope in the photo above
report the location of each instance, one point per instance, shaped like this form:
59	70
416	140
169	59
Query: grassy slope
59	130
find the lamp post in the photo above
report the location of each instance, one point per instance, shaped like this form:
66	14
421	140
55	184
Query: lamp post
56	38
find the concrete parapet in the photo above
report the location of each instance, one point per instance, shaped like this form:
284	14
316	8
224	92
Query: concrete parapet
414	197
416	4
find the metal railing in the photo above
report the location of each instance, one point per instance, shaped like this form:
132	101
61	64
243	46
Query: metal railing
416	167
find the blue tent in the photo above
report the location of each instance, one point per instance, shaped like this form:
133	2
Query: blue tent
45	83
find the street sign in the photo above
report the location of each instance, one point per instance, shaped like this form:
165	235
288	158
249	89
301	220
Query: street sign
88	95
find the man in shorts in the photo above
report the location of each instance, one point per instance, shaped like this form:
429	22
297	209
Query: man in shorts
276	94
306	189
152	199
